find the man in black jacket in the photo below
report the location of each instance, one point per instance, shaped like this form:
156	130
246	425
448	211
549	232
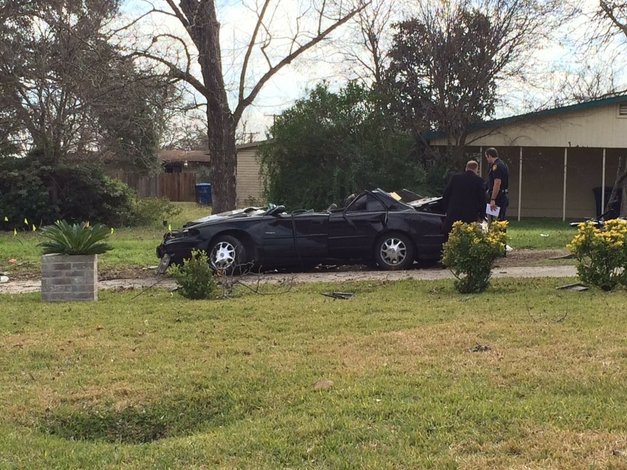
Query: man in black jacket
464	197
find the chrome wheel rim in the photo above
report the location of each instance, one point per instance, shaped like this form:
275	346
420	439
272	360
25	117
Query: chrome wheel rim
393	251
223	255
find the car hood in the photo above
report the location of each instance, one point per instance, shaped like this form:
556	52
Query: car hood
222	216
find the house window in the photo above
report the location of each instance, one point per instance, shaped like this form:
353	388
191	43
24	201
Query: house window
622	110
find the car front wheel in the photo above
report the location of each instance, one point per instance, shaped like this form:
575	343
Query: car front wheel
227	253
394	251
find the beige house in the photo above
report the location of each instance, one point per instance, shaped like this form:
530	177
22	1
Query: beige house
557	158
249	186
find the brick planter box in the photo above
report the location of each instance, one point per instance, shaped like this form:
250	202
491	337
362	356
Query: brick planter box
69	277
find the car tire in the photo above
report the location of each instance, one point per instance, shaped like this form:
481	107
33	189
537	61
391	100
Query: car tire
394	251
227	254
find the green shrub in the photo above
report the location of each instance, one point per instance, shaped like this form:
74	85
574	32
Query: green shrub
331	144
42	193
75	239
149	210
194	277
470	253
23	195
84	192
601	253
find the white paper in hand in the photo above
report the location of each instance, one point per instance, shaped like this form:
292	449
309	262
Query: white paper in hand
493	212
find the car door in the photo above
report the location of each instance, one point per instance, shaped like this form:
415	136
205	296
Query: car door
428	236
311	230
352	232
278	247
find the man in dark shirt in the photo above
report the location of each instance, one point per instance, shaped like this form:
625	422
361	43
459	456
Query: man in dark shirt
464	197
498	183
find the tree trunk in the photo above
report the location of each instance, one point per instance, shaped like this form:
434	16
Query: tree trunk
220	122
205	32
221	136
619	191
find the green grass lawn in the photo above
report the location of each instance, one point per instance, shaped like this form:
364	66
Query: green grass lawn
135	247
522	376
540	233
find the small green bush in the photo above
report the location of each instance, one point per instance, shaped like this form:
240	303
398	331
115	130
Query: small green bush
470	253
601	254
75	239
150	210
194	277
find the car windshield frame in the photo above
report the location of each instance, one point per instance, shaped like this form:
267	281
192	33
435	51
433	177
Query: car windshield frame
389	202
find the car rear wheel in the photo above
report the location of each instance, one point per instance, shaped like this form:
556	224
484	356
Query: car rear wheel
394	251
227	254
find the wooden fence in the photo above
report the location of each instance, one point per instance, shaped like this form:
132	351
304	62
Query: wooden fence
174	186
178	186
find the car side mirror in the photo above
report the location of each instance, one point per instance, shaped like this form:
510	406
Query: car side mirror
276	210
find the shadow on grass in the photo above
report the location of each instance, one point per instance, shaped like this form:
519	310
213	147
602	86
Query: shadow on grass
139	424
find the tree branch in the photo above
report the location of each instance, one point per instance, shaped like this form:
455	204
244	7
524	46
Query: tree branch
244	103
249	50
609	12
179	14
138	19
175	71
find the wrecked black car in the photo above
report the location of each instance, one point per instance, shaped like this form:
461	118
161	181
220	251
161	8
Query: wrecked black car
390	229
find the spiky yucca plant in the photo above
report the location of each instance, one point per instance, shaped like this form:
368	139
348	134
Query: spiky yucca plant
75	239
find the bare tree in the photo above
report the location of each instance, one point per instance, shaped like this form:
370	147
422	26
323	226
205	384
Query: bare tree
366	48
312	22
185	132
594	81
447	62
596	56
66	92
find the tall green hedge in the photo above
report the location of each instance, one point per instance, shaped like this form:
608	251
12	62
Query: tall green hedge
41	193
332	144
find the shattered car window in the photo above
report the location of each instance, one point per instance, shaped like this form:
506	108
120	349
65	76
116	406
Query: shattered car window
366	202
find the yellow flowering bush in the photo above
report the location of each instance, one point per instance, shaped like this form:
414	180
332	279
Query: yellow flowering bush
470	253
601	253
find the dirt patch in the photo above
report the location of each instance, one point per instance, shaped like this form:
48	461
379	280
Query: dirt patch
517	263
128	272
21	271
31	272
526	257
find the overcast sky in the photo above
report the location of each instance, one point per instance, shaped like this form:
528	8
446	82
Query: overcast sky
558	59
